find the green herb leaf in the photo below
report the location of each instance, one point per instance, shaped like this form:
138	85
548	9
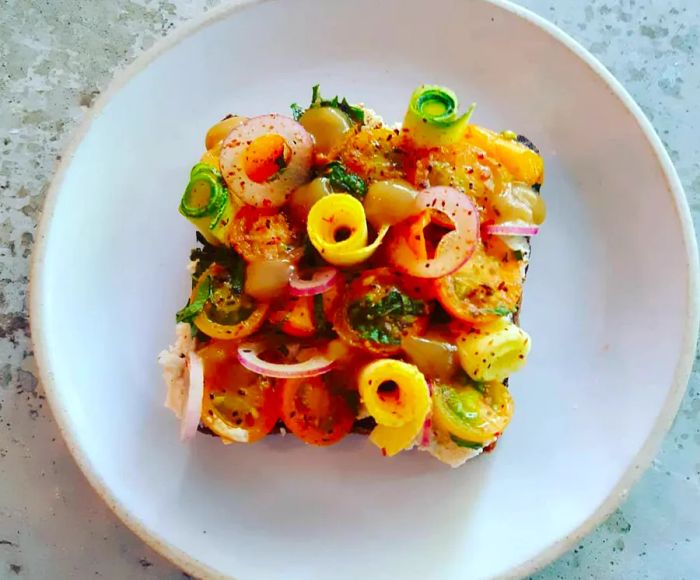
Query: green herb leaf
311	258
188	313
356	114
464	379
500	311
322	325
518	255
316	96
463	443
297	111
382	321
479	386
225	257
343	179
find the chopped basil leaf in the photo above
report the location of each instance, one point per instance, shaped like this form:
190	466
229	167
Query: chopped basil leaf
188	313
322	326
463	443
311	257
281	163
356	114
382	321
225	257
518	255
500	311
479	386
297	111
343	179
464	379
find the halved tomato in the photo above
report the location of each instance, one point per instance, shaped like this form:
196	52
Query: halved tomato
296	317
473	413
316	411
227	313
379	308
265	234
306	316
238	405
487	287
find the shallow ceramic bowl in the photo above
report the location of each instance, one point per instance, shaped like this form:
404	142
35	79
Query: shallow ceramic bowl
611	300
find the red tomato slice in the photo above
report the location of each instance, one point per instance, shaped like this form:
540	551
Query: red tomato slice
298	315
315	412
238	405
368	320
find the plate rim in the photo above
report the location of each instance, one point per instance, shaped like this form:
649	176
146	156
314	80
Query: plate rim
640	462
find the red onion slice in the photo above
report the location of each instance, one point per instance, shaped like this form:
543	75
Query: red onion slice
455	247
511	230
321	280
270	193
195	392
248	357
425	436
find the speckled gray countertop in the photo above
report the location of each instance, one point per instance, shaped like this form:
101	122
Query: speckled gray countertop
57	56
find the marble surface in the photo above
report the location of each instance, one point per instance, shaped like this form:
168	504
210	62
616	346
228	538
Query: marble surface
57	56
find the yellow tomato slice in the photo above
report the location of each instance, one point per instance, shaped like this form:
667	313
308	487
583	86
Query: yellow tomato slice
226	314
523	163
472	413
238	405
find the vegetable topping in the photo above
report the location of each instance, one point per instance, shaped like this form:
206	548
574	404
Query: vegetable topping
356	277
317	411
412	253
432	119
396	394
238	405
206	203
338	230
265	159
377	312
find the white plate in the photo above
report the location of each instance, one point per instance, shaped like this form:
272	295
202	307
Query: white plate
611	300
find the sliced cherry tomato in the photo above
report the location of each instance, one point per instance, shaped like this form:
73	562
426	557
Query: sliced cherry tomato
299	315
317	412
474	413
373	153
378	309
487	287
238	405
228	314
265	234
523	162
265	157
296	317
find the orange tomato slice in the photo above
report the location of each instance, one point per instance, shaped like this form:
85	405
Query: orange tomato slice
317	413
